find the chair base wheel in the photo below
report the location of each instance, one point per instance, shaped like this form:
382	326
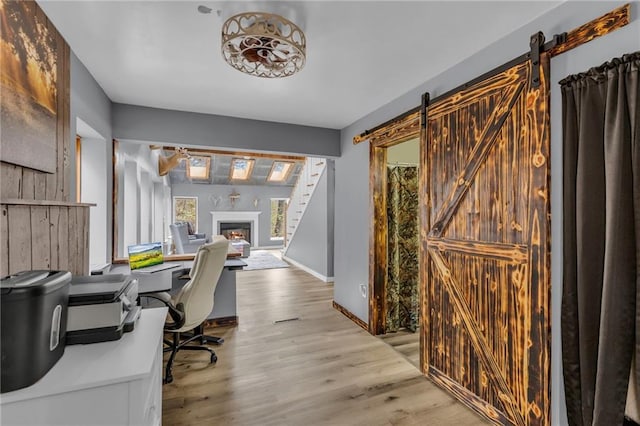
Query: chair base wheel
167	380
214	358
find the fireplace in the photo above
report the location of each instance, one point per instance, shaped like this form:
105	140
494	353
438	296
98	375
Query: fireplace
236	231
247	223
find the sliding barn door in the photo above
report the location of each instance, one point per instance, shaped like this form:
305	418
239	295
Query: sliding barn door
486	270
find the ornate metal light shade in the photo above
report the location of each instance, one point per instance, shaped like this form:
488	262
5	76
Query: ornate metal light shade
263	44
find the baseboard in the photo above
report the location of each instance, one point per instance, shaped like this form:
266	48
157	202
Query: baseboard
347	313
221	322
308	270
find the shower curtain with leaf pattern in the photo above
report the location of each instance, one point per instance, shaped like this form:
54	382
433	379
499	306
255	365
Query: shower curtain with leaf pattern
402	301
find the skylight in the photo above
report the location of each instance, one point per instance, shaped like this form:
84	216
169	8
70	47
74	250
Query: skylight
198	167
241	168
280	171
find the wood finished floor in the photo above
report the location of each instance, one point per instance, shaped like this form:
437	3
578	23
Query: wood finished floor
321	369
406	344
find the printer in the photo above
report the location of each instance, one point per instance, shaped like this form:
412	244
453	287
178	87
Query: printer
101	308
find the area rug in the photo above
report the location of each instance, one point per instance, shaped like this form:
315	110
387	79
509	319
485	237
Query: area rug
263	259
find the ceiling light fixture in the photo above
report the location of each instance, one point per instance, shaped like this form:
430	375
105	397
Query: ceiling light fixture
263	44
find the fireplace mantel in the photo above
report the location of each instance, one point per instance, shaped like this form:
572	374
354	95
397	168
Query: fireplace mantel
238	216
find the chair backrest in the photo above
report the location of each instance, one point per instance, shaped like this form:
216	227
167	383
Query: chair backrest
180	236
197	295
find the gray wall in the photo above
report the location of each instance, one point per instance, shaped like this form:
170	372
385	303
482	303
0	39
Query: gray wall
189	128
245	203
352	215
89	103
312	244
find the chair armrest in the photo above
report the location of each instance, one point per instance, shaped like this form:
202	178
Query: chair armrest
199	235
175	312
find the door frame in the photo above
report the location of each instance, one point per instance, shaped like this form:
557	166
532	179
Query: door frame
394	132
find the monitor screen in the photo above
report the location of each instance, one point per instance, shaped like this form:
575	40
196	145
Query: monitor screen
143	255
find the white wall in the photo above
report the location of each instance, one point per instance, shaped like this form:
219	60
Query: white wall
159	223
130	203
94	190
352	216
145	212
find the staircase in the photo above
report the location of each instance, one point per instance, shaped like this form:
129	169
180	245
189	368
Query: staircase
303	191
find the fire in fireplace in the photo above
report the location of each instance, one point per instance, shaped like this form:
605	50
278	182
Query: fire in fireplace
236	230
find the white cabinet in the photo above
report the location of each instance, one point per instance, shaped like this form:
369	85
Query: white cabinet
109	383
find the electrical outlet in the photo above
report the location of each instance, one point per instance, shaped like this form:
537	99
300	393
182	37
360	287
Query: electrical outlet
363	290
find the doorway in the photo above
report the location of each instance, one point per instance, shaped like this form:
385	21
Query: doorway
401	287
391	160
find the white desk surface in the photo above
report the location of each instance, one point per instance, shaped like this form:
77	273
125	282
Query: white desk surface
151	282
99	364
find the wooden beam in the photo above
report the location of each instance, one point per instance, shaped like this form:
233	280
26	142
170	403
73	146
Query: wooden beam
603	25
236	153
513	253
21	202
400	129
378	239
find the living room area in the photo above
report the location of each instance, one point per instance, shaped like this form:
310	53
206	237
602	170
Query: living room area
182	196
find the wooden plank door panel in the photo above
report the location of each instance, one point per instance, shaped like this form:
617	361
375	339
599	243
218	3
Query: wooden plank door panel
487	289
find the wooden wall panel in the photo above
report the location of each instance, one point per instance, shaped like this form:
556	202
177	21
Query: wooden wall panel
35	229
19	237
41	236
11	178
59	240
40	242
4	247
487	291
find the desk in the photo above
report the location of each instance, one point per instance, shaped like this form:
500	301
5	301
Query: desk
118	382
225	306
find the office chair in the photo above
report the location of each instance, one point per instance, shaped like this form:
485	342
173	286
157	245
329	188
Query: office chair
192	305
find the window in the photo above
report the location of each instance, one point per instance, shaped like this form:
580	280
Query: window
185	209
278	213
241	168
198	167
280	171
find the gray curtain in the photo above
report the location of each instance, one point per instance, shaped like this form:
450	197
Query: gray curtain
600	316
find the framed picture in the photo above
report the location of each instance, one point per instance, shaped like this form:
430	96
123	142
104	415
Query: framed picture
28	105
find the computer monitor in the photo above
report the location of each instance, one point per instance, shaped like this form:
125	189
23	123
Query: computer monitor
144	255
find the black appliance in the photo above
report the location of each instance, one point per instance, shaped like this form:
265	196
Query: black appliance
34	322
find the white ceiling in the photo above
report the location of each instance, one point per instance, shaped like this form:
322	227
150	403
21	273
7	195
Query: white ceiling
360	54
